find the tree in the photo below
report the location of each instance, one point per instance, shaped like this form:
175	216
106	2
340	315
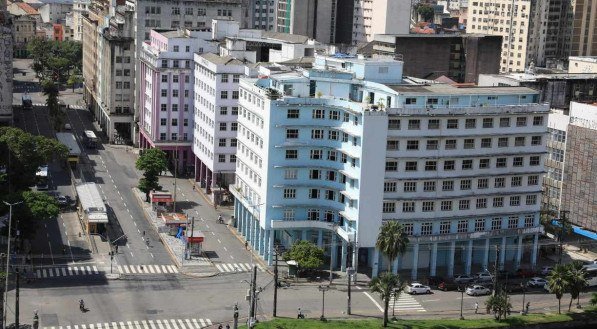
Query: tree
307	255
426	12
391	241
73	80
593	300
51	90
577	281
55	59
152	162
499	305
557	283
35	207
386	285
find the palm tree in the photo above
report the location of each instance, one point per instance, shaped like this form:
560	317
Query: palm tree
386	285
577	282
391	241
557	283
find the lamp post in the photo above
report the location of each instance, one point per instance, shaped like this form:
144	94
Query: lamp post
332	247
10	205
524	290
323	289
461	289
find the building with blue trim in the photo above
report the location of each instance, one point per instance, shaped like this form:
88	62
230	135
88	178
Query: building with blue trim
330	153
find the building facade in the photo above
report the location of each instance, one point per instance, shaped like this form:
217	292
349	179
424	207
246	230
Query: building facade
80	8
54	11
584	30
167	67
372	17
6	74
460	168
260	15
304	17
25	29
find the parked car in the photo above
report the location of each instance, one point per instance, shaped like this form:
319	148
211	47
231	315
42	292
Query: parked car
448	286
537	282
463	278
515	287
483	277
477	290
546	270
62	200
417	288
67	126
434	280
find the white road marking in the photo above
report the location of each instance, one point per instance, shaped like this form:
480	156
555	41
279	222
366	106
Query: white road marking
374	301
225	249
219	241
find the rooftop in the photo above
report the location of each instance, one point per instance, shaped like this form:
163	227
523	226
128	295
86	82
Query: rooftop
221	60
27	8
445	89
538	76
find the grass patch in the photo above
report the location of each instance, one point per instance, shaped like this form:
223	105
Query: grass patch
418	324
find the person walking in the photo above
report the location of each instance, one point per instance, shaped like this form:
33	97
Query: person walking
246	245
476	308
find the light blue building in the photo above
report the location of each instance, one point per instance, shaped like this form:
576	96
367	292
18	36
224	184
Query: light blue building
330	153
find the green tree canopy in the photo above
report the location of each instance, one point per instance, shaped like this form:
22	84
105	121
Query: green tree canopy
387	285
307	255
391	241
426	12
55	59
35	207
499	304
152	162
557	283
577	281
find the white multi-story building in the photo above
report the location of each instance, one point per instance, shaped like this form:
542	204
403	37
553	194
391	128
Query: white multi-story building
54	11
329	154
80	8
379	17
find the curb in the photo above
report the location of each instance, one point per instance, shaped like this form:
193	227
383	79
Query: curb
257	257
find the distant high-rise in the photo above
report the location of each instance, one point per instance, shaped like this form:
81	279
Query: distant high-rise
313	18
584	29
372	17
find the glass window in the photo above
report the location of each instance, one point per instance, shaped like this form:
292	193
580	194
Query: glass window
517	161
389	207
414	124
448	185
484	163
537	121
411	166
430	165
444	227
292	133
496	223
452	124
292	114
433	124
470	124
450	144
521	121
512	222
503	142
389	187
289	193
533	180
464	204
487	122
426	228
429	186
482	183
515	200
393	124
501	162
498	202
462	226
504	122
391	165
432	144
447	205
291	154
412	145
290	173
408	206
500	182
465	184
486	142
392	145
531	200
467	164
449	165
410	186
479	225
481	203
469	143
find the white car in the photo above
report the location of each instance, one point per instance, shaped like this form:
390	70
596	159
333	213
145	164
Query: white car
417	288
463	279
537	282
477	290
484	277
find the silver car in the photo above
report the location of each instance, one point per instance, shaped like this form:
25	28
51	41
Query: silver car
477	290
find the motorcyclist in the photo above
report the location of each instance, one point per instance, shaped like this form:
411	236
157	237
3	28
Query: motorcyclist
81	305
220	220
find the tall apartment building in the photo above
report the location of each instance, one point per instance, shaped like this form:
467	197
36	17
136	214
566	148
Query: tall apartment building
167	71
460	168
584	28
558	29
372	17
80	8
260	14
6	74
313	18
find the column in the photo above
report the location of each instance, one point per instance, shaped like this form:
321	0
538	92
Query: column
395	265
415	268
253	231
451	259
343	256
296	236
320	238
270	254
258	238
375	263
486	255
304	235
266	243
469	257
534	251
503	253
519	251
334	253
433	259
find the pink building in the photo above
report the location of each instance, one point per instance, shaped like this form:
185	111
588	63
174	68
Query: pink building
166	98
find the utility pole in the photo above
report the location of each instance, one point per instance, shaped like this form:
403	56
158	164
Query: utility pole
18	286
563	224
175	172
275	281
252	301
235	316
348	272
495	270
10	205
323	289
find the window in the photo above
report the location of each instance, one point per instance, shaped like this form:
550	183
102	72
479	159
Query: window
332	155
290	173
465	184
233	126
533	180
449	165
414	124
481	203
444	227
346	117
333	135
175	78
482	183
515	200
483	163
410	100
428	206
485	142
500	182
430	165
334	115
450	144
235	78
519	141
498	202
470	123
292	133
410	166
479	225
408	206
467	164
393	124
318	114
235	94
389	207
288	214
163	122
408	228
331	176
469	143
462	226
223	110
537	121
316	133
496	223
313	193
175	93
389	187
163	107
517	161
223	126
224	78
536	140
221	157
391	166
429	186
289	193
521	121
164	92
452	124
501	162
487	122
531	200
432	144
164	78
412	145
504	122
224	94
446	205
292	114
426	228
464	204
503	142
174	107
291	154
433	124
448	185
512	222
316	154
392	145
330	195
410	186
174	122
529	221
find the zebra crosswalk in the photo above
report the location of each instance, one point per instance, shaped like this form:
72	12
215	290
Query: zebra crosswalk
147	269
236	267
143	324
406	303
53	272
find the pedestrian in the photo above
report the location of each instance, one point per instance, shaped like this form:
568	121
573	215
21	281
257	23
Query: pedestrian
528	306
220	327
476	307
246	245
143	233
227	326
300	315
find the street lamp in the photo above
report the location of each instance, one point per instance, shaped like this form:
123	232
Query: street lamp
524	290
461	289
323	289
10	205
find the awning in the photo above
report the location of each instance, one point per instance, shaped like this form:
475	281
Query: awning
579	230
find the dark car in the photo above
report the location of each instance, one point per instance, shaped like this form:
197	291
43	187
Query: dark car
515	287
448	286
524	273
434	280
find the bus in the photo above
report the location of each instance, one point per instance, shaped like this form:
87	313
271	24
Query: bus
42	178
591	274
89	139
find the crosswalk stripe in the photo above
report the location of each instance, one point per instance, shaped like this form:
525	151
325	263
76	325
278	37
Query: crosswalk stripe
69	270
159	322
137	325
188	323
88	268
246	266
99	326
129	324
76	327
167	324
132	268
219	267
151	269
208	322
144	323
51	272
197	326
151	324
91	326
203	324
174	268
163	268
122	325
63	271
75	270
95	271
174	323
114	325
181	323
